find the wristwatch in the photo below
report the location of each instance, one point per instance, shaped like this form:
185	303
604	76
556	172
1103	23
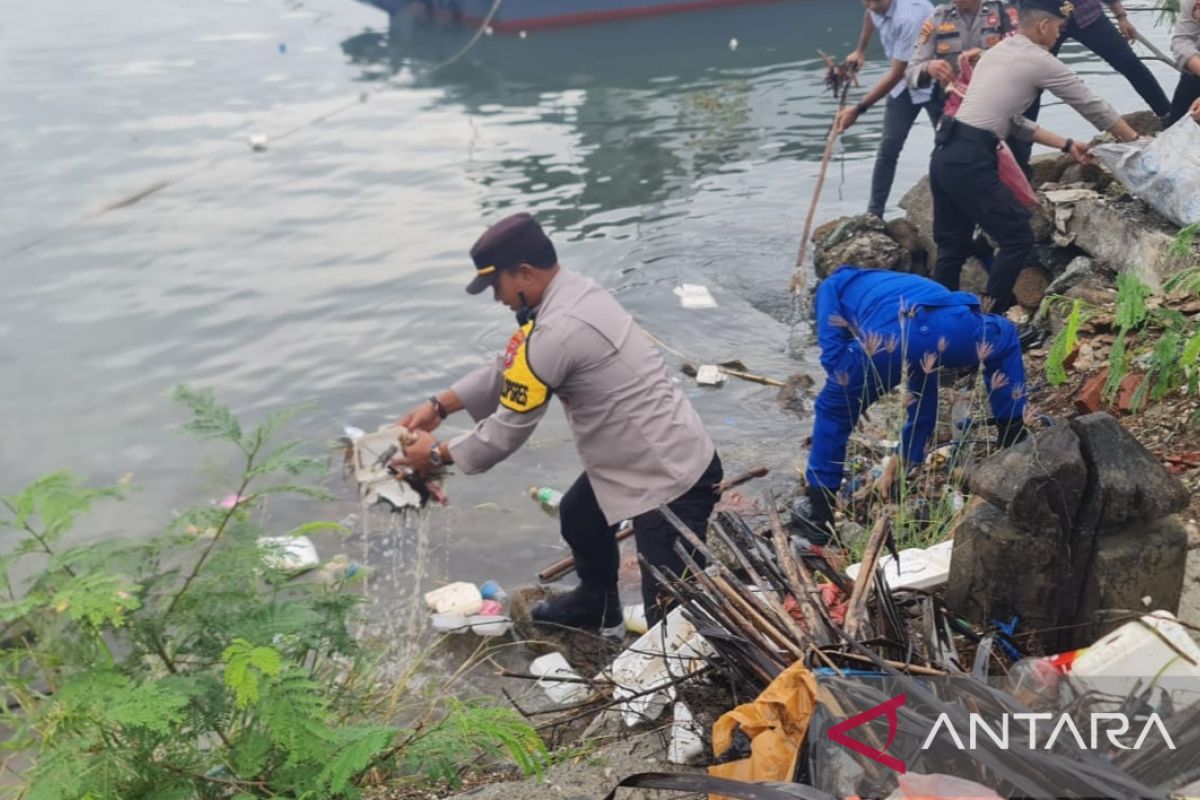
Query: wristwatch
435	454
437	406
1066	148
862	108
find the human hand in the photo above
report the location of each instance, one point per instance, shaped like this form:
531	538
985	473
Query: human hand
973	54
1194	111
940	71
417	454
856	60
891	468
421	418
845	118
1127	29
1079	152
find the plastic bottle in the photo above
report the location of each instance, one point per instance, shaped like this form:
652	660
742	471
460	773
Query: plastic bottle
549	499
1035	681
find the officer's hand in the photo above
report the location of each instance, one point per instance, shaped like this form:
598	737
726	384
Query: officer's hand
856	60
846	117
1079	152
416	455
1194	111
422	418
973	54
1127	29
940	71
891	471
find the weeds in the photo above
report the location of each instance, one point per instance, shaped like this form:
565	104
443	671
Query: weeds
186	666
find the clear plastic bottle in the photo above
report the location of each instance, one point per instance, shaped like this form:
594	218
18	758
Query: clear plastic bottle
549	499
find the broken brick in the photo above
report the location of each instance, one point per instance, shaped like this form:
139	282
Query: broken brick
1089	399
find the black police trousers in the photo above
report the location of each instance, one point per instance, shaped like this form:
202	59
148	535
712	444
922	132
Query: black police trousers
593	541
965	181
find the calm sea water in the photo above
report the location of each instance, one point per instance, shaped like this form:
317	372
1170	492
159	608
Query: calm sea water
328	269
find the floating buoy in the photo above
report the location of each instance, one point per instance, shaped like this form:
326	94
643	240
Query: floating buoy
733	43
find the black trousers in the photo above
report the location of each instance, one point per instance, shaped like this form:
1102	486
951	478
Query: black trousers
1186	93
965	181
593	541
1104	39
899	114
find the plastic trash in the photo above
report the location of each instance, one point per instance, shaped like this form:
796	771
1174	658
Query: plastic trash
460	598
710	375
369	462
491	608
667	652
554	665
635	618
915	786
448	623
1136	656
258	142
694	295
1163	171
549	499
489	624
1036	681
490	590
687	744
918	569
341	568
289	554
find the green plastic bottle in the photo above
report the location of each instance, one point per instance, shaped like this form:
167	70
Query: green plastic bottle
549	499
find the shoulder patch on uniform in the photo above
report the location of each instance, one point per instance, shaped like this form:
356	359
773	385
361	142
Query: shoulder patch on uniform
522	391
926	31
1013	15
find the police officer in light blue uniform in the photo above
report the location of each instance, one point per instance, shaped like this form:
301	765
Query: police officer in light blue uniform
870	324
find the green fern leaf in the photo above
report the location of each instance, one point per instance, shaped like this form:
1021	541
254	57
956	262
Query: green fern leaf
1132	294
245	665
210	419
250	753
1118	364
356	749
1064	345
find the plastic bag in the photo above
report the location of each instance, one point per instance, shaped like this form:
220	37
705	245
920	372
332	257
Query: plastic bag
1164	171
1011	174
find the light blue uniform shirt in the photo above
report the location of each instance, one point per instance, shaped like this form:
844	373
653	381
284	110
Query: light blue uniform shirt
898	32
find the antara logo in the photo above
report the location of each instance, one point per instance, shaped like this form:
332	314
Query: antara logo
837	733
1062	728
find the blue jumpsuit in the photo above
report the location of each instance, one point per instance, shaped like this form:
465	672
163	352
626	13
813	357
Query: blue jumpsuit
871	322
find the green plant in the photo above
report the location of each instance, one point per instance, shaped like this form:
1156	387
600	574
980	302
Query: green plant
1064	344
186	666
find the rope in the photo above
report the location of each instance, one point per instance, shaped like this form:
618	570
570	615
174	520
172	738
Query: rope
483	28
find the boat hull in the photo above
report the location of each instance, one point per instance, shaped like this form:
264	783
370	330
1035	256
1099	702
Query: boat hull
521	15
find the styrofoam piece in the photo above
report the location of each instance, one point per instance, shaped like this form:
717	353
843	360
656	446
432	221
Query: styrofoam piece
918	569
694	295
455	598
489	624
635	618
1135	656
710	375
667	652
375	483
687	744
554	665
288	553
449	623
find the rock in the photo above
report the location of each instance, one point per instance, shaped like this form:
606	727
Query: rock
918	206
1090	174
1081	271
974	276
1145	123
1146	560
998	571
1030	287
794	396
1127	483
1038	482
907	236
860	240
1047	168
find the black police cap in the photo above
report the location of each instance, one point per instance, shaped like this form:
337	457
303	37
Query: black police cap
512	241
1059	8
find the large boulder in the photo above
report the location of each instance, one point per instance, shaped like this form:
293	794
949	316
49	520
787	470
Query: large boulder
1047	168
1037	483
1139	569
862	241
998	570
1127	483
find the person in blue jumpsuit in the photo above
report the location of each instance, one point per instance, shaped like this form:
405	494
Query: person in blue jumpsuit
871	323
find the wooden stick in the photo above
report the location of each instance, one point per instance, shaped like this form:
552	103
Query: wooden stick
798	276
745	477
750	376
566	565
857	605
804	587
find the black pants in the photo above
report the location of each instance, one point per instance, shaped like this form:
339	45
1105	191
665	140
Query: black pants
1186	93
1104	39
899	114
965	181
593	541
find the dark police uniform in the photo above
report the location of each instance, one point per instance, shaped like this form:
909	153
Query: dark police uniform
949	32
964	172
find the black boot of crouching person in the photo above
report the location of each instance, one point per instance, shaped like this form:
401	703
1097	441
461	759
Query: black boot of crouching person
1010	432
584	608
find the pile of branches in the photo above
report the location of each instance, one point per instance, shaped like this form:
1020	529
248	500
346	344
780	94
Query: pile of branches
765	606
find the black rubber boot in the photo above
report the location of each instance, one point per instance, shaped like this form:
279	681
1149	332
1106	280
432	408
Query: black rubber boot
1010	431
584	608
812	516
